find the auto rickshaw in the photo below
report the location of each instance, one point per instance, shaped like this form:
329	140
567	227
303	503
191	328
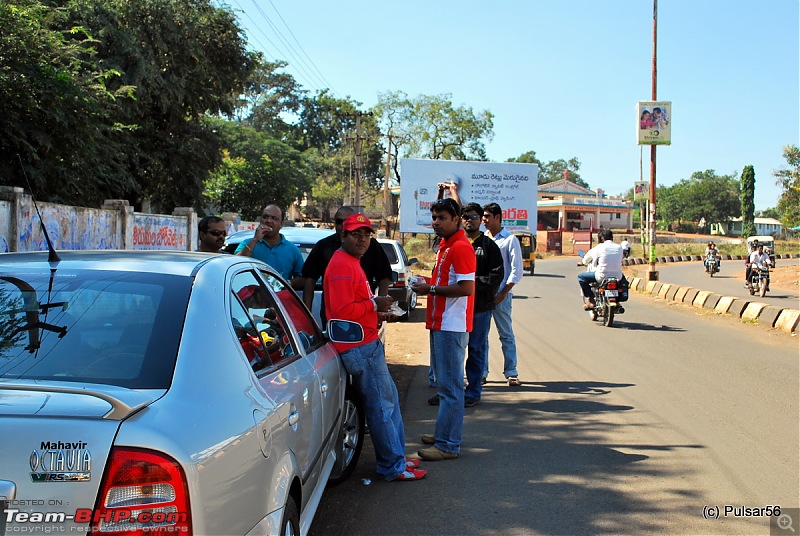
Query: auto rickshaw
528	242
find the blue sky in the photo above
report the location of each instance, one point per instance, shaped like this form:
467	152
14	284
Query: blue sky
562	77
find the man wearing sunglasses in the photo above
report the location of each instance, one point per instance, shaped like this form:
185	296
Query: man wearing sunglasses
211	231
374	262
488	276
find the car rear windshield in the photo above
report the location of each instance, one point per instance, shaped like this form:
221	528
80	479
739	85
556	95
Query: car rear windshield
117	328
391	253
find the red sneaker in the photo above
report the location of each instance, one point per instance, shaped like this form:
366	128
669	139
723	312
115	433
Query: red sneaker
412	463
411	474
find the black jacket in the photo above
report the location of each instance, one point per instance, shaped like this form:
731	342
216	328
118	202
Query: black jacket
374	262
489	272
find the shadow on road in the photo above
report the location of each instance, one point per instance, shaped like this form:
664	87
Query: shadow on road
636	326
524	459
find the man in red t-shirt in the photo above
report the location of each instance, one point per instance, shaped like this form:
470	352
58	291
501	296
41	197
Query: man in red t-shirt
348	296
449	319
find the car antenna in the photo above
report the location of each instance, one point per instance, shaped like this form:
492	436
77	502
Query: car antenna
52	256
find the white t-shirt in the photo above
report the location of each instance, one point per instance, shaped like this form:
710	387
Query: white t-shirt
606	259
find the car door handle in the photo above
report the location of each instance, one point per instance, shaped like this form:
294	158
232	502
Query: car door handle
294	417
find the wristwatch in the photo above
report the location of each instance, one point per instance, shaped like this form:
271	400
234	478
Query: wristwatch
433	290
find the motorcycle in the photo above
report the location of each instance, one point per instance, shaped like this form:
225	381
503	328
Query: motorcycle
608	295
712	264
759	279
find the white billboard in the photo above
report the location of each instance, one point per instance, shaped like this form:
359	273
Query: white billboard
512	186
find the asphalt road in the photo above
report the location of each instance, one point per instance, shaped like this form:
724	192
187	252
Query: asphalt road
729	281
635	429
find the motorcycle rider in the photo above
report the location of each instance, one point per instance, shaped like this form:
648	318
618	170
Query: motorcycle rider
606	261
759	256
626	248
711	249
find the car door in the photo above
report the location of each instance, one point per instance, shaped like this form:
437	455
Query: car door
318	352
283	372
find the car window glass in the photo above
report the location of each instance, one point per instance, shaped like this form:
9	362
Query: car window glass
308	333
117	328
405	257
390	253
266	320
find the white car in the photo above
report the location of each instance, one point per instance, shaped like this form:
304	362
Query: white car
401	265
166	391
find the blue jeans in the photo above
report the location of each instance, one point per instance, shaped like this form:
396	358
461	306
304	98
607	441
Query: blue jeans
367	365
505	328
477	353
448	349
585	280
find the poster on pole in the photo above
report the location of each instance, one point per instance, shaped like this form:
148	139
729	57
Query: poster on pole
654	124
513	186
641	191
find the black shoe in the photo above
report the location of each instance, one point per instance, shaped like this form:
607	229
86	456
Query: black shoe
471	402
483	380
434	400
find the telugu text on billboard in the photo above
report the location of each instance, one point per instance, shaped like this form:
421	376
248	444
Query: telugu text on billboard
512	186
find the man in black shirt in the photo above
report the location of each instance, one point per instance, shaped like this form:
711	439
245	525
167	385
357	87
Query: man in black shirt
489	275
374	263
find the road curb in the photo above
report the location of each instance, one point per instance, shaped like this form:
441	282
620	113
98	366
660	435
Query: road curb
787	320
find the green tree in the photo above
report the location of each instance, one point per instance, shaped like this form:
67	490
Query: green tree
703	199
789	181
255	170
57	104
430	126
271	95
107	98
748	188
554	170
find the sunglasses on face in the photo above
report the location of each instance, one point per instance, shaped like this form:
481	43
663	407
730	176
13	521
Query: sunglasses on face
218	233
470	216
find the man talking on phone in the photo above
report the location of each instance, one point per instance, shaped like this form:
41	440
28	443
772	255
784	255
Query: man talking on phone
269	245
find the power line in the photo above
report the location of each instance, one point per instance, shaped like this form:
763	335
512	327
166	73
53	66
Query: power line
301	47
300	65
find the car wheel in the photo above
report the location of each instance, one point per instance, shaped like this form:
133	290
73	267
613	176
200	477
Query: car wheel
412	301
290	524
351	438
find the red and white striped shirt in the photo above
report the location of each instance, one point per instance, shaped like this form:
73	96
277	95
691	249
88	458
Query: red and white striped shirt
455	261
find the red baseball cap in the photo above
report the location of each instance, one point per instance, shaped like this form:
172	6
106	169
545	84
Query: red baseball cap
357	221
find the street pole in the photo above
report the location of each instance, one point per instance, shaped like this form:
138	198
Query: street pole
387	206
357	147
652	274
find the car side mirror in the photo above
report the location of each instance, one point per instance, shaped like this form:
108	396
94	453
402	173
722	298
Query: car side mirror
413	260
345	331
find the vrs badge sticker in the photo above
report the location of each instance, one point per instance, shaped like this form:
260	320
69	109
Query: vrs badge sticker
59	461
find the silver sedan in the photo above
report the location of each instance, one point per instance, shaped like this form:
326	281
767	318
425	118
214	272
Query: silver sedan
178	392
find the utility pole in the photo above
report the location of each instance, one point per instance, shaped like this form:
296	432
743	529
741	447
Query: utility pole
387	205
652	274
357	146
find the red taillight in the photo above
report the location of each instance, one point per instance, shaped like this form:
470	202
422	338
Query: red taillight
142	492
401	281
612	285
